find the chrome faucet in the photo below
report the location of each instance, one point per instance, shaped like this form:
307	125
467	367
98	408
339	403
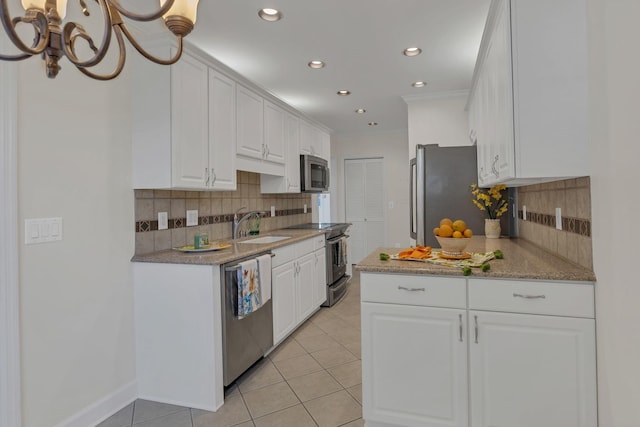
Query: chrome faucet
237	222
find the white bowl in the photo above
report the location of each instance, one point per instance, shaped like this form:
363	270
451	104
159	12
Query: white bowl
452	246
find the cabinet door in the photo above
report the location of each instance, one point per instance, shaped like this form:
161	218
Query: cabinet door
222	132
306	137
292	163
250	123
320	277
274	132
532	371
189	123
283	280
414	365
305	290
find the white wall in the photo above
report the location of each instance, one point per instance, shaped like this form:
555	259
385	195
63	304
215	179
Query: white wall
614	91
392	147
438	119
74	160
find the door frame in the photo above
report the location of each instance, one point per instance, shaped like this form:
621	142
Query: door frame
10	404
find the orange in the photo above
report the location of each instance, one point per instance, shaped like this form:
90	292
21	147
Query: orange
459	225
457	234
446	221
445	230
468	233
436	231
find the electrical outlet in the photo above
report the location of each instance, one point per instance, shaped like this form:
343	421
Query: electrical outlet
273	211
163	221
305	208
558	218
524	213
192	218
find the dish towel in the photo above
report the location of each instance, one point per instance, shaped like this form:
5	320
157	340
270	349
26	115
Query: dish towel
264	272
248	288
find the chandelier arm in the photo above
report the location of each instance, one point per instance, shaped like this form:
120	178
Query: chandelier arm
39	22
68	37
142	17
146	54
121	60
15	57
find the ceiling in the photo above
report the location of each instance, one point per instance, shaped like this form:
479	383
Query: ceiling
361	42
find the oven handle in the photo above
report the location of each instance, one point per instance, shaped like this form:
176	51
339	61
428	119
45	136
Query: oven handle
336	239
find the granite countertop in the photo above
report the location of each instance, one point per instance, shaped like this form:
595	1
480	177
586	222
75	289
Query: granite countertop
233	253
522	260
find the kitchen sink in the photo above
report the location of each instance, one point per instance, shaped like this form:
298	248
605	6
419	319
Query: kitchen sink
265	239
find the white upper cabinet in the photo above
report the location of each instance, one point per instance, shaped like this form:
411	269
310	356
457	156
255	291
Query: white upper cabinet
250	123
274	132
314	141
183	137
528	105
290	182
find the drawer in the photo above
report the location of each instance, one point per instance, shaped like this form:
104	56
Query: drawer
284	254
533	297
421	290
319	241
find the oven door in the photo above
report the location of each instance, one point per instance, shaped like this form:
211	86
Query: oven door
336	258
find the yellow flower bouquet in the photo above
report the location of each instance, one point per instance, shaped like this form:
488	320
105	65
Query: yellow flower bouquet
491	200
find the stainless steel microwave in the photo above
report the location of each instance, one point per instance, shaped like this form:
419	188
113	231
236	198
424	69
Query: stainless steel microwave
314	174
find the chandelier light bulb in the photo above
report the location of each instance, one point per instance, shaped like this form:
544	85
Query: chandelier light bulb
61	6
184	8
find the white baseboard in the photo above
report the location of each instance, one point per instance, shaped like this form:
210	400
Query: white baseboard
103	408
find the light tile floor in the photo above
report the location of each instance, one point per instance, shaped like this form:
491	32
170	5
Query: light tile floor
312	379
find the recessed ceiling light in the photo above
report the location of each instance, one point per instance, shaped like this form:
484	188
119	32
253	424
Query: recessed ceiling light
316	64
361	111
412	51
343	92
373	123
419	84
271	15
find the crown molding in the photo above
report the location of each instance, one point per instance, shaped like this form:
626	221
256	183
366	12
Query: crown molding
430	96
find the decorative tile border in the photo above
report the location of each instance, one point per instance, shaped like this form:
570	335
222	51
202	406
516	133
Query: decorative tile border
152	225
569	224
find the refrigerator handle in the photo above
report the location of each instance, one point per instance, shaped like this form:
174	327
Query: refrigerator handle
412	217
420	194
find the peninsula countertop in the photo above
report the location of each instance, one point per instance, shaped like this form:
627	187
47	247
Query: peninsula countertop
235	252
522	260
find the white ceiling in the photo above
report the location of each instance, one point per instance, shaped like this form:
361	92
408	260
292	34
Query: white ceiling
361	42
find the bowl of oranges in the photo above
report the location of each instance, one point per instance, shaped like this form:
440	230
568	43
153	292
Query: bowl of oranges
453	236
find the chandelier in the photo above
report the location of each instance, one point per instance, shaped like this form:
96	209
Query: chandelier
53	40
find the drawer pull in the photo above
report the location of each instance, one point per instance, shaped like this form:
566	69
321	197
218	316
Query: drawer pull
529	296
412	289
460	328
476	327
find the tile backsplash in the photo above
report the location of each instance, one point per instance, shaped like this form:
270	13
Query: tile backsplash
573	197
215	212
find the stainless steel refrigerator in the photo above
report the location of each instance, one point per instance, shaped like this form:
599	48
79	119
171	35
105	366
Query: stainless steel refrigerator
440	180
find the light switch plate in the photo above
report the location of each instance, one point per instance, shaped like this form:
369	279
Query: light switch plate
163	221
305	208
192	218
42	230
558	218
273	211
524	213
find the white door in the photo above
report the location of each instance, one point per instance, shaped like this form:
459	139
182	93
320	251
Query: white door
414	365
364	201
189	123
532	371
222	132
249	123
305	290
284	300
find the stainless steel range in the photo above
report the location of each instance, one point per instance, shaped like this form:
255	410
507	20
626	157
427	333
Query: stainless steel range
336	249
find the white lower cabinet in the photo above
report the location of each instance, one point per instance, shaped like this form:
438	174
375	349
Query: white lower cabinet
407	378
532	371
295	274
320	277
511	354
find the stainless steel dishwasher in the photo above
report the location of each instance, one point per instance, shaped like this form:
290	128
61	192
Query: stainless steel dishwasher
246	340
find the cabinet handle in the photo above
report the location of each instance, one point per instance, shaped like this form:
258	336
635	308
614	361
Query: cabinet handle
264	151
412	289
460	328
213	181
529	296
206	174
494	168
476	327
268	151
